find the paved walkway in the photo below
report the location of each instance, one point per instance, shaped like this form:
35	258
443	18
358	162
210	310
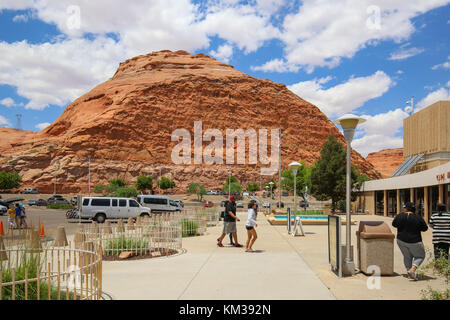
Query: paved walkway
206	271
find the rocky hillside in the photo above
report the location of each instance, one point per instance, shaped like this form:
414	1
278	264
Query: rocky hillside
126	123
386	161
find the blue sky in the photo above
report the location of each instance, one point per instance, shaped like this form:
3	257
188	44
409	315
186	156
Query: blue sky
363	57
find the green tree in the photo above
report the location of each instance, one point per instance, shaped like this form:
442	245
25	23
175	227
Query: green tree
119	183
165	183
144	183
328	175
232	184
303	173
9	180
126	192
195	188
252	186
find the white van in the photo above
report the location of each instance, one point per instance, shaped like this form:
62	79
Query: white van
102	208
159	203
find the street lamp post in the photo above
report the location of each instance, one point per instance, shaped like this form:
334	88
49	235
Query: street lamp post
271	192
294	166
89	174
348	123
229	182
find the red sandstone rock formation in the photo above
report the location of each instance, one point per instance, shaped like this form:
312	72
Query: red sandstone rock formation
386	161
126	123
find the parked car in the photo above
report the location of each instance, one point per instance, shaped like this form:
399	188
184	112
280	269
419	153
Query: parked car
285	194
303	204
208	204
245	194
53	198
239	205
37	202
60	201
29	191
3	210
102	208
180	203
266	204
280	204
158	203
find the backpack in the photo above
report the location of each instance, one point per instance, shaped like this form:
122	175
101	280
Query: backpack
224	213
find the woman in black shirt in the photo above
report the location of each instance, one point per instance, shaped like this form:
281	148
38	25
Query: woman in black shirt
409	227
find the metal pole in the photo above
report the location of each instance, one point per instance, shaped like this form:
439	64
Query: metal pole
295	195
89	174
229	183
159	181
349	265
54	186
279	169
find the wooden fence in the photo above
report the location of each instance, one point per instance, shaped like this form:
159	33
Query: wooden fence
45	272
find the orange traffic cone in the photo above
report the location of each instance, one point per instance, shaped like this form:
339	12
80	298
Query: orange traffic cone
2	233
42	234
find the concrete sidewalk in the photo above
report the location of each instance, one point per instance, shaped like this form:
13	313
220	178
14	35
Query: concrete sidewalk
206	271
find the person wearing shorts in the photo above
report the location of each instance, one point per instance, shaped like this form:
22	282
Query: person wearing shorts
229	225
250	226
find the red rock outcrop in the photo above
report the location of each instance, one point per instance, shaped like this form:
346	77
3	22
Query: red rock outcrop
126	123
386	161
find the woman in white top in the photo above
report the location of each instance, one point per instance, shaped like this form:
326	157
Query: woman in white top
250	226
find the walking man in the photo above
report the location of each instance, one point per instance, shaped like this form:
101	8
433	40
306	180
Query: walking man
229	225
440	222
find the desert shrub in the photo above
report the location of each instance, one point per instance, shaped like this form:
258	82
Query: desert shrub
189	228
126	192
31	262
118	245
64	206
440	267
310	213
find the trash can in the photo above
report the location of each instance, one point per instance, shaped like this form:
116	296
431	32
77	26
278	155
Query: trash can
375	242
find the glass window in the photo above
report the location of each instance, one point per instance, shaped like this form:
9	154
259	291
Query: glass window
101	202
114	202
379	203
134	204
173	203
85	202
122	203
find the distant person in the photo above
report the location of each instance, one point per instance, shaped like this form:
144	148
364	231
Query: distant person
229	225
409	239
18	214
11	218
230	234
250	226
23	222
440	222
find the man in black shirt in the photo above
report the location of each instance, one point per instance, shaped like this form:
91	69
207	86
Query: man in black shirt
229	225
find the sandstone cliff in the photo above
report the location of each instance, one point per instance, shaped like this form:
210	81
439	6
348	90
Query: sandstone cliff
126	123
386	161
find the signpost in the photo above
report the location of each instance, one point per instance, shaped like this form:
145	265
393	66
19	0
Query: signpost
334	244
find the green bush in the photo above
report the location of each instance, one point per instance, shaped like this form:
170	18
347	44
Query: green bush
188	228
118	245
9	180
65	206
126	192
310	213
31	262
440	267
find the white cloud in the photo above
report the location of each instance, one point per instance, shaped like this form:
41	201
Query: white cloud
4	121
376	142
323	32
400	72
344	97
432	97
57	73
448	84
275	65
20	18
404	53
444	65
7	102
379	132
42	126
223	53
